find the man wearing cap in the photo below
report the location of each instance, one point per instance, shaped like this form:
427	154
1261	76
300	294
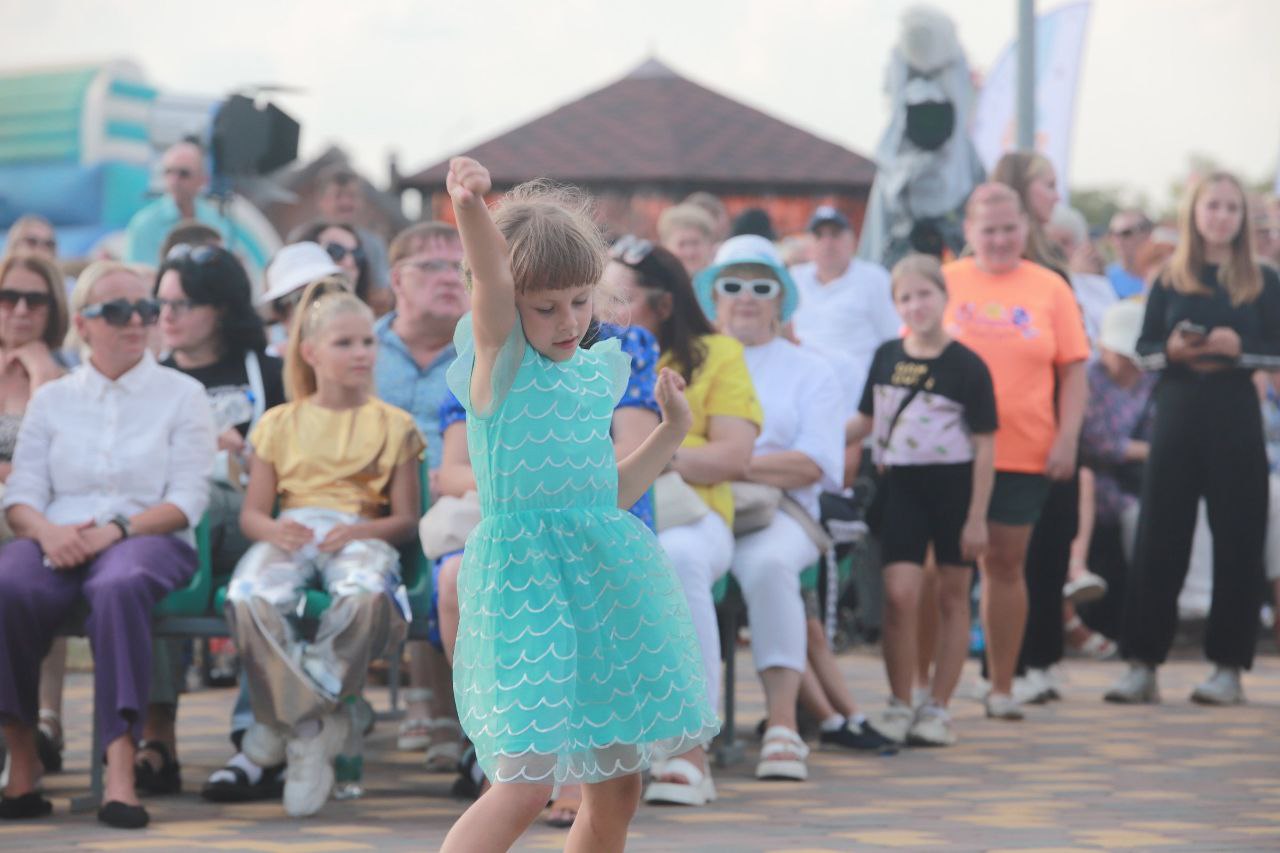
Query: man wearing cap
184	180
1130	230
290	271
846	304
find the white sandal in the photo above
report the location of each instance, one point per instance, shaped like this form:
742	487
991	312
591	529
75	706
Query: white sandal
442	755
415	732
780	740
696	790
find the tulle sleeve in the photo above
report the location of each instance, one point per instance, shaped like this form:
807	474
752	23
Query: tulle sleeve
615	364
504	371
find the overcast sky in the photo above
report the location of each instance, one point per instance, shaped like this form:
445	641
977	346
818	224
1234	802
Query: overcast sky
424	78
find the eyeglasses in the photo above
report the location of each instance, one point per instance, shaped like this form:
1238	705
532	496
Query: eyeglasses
11	298
48	244
196	254
337	251
760	288
630	249
178	171
435	265
177	306
118	312
1126	233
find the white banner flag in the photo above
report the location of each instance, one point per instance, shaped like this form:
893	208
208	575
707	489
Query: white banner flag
1059	44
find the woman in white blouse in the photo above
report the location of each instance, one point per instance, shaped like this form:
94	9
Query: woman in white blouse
749	295
109	475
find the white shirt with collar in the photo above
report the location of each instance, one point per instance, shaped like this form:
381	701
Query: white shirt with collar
846	320
91	448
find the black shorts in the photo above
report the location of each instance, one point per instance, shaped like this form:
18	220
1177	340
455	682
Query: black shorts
925	504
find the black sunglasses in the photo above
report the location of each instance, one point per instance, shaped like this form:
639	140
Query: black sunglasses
630	249
337	251
180	172
200	254
11	298
118	312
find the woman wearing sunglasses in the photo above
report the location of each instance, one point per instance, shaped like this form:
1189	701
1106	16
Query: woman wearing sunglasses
342	244
726	421
33	322
109	477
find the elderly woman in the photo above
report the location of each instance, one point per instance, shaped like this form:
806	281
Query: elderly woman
799	452
696	528
108	477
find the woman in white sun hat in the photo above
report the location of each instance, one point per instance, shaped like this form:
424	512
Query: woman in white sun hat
293	268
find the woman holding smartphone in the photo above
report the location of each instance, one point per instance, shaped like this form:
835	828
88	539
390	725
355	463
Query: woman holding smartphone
1212	318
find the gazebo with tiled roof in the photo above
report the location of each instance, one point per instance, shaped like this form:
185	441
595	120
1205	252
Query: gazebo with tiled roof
653	137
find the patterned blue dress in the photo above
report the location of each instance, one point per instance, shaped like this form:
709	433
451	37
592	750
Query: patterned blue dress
576	659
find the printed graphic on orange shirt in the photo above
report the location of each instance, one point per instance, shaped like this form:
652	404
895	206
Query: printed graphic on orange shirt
995	317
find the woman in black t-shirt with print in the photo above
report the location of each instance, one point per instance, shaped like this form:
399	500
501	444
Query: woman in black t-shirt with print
1212	319
930	408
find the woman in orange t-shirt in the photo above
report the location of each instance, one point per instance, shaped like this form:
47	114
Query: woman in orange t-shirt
1024	323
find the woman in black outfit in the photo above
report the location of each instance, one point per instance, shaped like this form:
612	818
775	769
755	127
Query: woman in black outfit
1212	318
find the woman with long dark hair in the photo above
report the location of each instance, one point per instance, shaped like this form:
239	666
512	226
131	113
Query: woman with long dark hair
727	418
342	243
1212	319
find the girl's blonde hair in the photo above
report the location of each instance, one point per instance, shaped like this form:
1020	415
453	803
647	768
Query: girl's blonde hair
922	266
322	301
1016	170
1240	275
83	292
552	237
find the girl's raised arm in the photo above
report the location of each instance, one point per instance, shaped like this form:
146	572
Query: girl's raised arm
493	306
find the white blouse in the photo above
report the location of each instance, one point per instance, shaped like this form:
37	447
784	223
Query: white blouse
91	448
803	410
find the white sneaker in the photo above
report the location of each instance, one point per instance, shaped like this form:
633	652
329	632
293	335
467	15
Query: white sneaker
920	696
1135	687
1035	688
894	721
309	776
263	745
1003	706
1222	687
1087	587
932	727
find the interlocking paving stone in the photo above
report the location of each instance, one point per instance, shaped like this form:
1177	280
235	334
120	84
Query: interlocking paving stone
1077	775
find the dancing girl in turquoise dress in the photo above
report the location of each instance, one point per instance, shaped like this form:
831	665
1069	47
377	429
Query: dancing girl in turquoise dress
576	659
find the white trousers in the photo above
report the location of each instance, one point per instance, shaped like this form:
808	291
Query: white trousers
700	553
767	565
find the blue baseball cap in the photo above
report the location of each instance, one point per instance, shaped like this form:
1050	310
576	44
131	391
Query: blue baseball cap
828	215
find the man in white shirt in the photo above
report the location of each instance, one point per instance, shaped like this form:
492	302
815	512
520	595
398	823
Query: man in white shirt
846	304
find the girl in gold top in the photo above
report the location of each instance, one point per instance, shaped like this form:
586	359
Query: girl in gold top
344	467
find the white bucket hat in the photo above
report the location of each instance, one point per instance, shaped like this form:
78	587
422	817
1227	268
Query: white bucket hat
294	267
1121	328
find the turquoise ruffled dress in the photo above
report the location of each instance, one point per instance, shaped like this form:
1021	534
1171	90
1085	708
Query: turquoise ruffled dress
576	659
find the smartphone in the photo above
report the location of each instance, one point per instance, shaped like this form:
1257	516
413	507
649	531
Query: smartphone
1194	331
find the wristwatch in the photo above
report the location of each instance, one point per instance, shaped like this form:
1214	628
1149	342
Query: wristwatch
123	523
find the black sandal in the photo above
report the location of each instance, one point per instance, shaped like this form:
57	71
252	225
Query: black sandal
470	782
240	790
49	742
25	806
123	816
147	779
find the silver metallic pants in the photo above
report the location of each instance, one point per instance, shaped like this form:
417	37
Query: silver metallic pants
291	680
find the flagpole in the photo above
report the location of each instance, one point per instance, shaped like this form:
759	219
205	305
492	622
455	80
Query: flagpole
1026	100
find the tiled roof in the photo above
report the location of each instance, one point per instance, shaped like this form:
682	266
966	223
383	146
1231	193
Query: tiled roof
654	127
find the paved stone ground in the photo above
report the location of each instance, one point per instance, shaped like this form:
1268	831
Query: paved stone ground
1077	775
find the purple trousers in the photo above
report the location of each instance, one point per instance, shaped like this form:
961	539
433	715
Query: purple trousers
121	586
